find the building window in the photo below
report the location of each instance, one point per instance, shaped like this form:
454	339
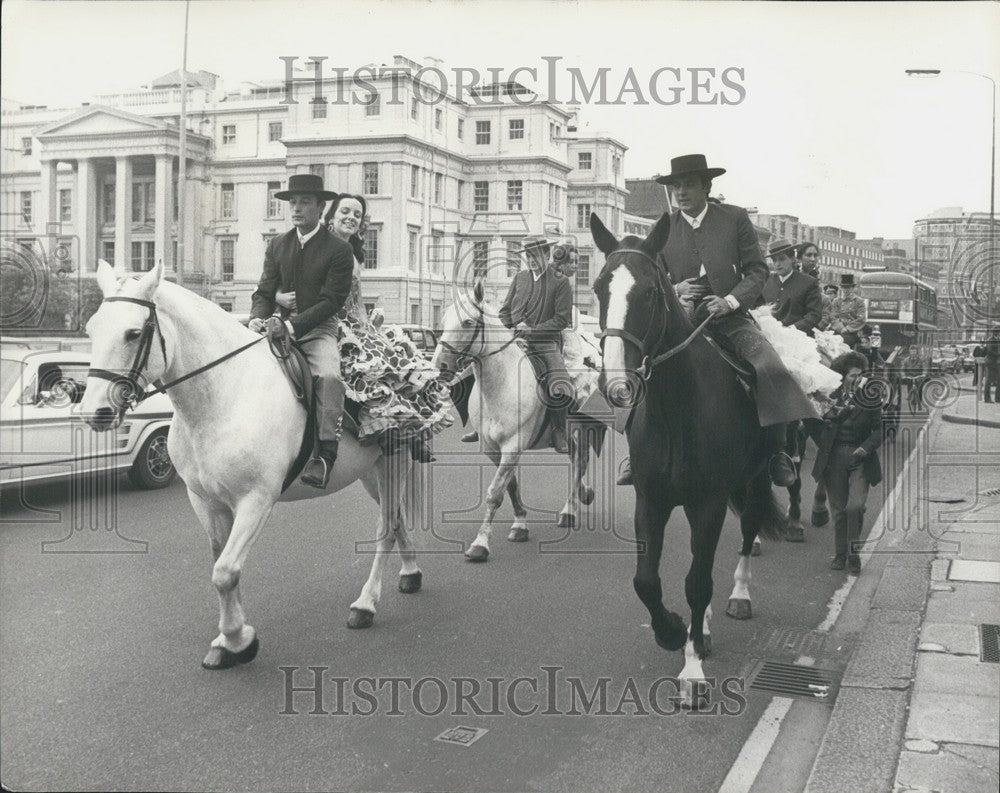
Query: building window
173	255
438	188
227	259
513	257
583	269
414	251
26	147
65	206
176	199
371	248
516	129
369	179
228	134
436	252
584	161
143	202
555	130
460	198
226	305
228	209
436	309
317	170
438	117
582	215
273	204
414	181
26	206
480	258
142	256
414	313
482	133
616	164
319	109
274	131
461	128
413	107
108	250
553	199
514	195
374	106
481	197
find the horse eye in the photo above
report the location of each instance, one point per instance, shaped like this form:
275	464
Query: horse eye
468	323
133	334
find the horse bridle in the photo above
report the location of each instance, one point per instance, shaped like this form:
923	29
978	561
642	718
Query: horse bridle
135	393
465	354
645	369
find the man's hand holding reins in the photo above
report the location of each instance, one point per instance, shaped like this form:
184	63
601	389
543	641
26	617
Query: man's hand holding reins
256	325
718	306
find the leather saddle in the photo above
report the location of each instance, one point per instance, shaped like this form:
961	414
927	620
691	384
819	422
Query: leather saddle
300	376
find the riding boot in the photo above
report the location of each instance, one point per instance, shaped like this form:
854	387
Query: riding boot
318	469
780	467
625	473
470	437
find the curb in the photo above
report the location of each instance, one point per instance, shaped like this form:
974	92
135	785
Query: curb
955	419
863	739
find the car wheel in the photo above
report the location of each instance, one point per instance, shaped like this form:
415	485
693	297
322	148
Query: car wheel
153	468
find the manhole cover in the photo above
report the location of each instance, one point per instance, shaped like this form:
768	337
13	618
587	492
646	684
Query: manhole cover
989	643
792	680
461	736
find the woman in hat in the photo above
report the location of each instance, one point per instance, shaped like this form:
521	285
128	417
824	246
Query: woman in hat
399	392
847	461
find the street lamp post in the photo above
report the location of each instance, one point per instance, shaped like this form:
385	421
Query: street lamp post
991	264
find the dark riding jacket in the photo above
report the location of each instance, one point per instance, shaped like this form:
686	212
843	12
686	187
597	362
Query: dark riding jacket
853	425
797	301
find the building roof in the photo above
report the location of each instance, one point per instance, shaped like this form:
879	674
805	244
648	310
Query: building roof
172	79
646	198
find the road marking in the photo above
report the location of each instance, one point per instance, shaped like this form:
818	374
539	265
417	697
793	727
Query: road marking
751	759
836	603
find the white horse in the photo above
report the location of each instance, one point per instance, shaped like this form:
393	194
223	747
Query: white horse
236	431
506	409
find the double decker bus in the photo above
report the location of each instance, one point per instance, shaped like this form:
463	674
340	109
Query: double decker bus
904	308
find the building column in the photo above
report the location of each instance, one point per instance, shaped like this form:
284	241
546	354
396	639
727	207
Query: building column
163	210
123	213
46	214
85	215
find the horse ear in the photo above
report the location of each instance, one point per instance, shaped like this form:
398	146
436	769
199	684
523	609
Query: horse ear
605	240
478	292
658	236
106	278
151	280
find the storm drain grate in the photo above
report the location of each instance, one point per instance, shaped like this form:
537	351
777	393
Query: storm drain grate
993	491
989	643
792	680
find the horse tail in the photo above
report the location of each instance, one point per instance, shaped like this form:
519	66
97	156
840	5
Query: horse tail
756	506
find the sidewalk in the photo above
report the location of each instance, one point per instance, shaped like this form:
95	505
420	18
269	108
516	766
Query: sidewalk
969	410
917	709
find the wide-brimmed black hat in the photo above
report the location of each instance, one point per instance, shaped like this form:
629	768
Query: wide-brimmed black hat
689	164
847	279
307	183
533	243
828	287
778	247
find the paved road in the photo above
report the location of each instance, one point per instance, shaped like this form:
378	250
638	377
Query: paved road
102	688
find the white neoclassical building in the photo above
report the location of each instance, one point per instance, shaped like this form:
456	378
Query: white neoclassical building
452	186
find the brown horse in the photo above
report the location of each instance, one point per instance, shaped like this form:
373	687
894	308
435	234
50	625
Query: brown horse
694	439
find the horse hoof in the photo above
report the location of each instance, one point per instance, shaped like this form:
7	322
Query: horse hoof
518	535
755	550
360	618
820	517
567	520
477	553
221	658
411	582
739	609
586	496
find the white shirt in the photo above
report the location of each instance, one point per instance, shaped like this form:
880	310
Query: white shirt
695	223
304	238
784	278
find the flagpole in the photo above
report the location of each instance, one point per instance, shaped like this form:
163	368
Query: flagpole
182	157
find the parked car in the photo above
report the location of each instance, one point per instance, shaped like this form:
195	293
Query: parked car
43	438
946	360
423	338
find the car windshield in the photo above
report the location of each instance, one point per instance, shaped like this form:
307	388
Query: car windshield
10	373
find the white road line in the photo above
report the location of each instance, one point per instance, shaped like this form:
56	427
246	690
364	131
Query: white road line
751	759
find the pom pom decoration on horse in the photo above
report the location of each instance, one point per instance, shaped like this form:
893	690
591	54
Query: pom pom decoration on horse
223	439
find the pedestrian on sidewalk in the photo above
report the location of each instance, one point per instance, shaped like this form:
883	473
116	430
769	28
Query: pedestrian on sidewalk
847	461
991	374
979	362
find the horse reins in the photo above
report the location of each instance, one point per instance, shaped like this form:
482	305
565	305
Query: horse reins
463	354
645	370
150	328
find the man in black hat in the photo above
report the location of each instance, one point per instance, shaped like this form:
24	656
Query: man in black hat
714	261
794	295
538	306
847	312
307	272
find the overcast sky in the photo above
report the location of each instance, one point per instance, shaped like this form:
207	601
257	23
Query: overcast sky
828	127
